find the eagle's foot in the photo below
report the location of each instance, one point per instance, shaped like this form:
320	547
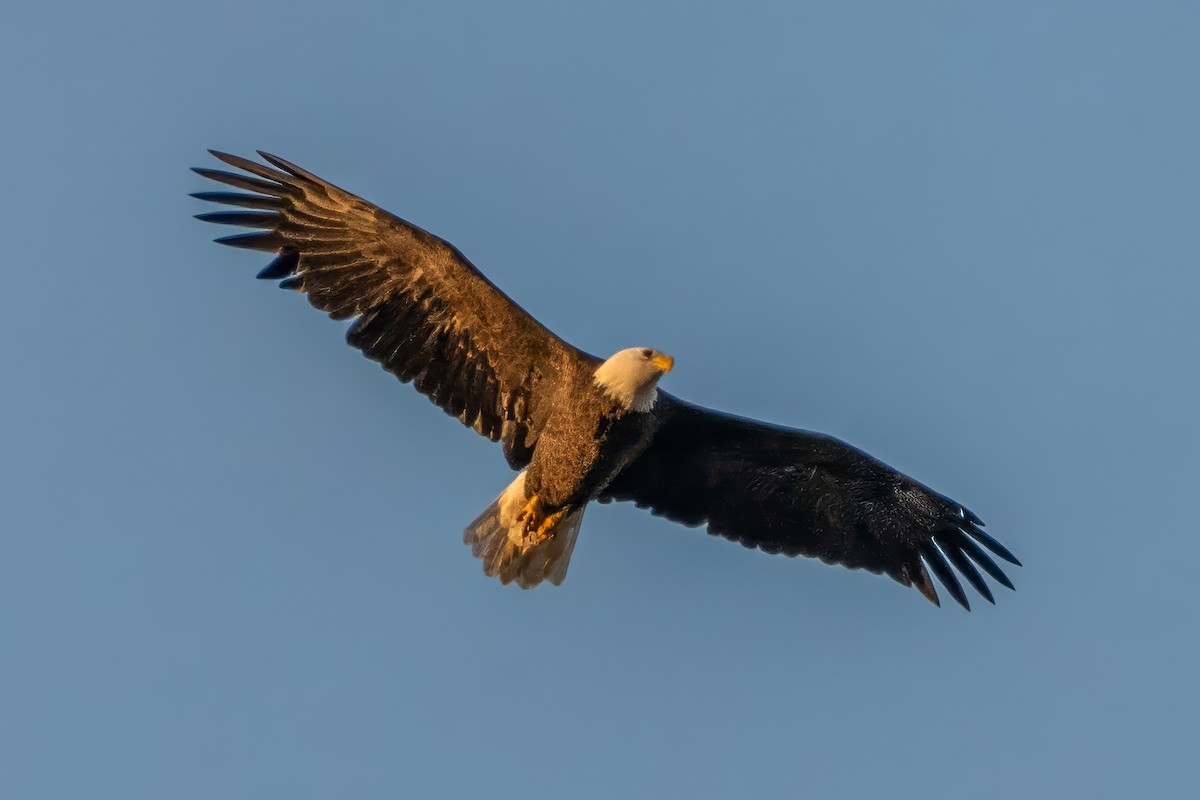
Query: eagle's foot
531	514
545	530
536	527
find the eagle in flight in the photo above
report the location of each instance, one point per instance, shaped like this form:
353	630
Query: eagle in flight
580	428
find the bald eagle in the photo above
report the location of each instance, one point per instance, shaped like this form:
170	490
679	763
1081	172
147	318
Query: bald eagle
578	428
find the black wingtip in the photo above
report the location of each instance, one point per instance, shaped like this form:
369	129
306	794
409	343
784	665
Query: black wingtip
272	188
937	562
991	544
264	220
967	569
977	554
228	158
238	199
251	241
253	167
981	587
281	267
288	166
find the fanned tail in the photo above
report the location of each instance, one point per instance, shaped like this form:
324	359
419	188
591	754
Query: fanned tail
497	538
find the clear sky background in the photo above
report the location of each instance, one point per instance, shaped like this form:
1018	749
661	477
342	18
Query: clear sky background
961	236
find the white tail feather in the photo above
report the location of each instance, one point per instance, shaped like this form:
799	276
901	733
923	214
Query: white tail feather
497	538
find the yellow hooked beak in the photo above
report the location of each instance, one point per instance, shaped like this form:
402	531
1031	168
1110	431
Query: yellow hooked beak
663	362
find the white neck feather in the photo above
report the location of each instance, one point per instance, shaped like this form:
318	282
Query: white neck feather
642	399
634	388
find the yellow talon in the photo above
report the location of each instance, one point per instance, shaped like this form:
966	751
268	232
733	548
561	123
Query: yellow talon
545	530
536	528
531	513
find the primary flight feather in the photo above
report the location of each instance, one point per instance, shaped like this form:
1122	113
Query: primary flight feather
577	427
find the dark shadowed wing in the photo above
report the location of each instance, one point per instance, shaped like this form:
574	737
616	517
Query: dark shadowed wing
799	493
423	311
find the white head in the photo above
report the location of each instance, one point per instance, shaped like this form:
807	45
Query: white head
631	376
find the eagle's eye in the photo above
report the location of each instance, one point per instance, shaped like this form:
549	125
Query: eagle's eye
647	352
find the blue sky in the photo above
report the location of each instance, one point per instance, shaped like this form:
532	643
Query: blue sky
961	237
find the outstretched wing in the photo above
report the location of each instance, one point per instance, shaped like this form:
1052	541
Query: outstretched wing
799	493
423	311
